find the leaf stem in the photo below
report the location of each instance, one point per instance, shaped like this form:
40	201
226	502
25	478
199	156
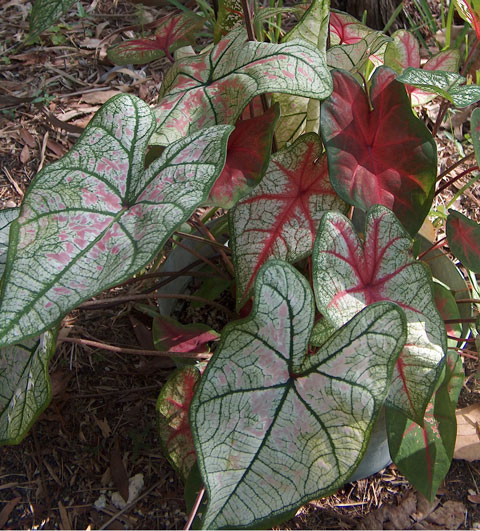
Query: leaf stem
453	166
194	510
441	114
456	178
139	352
101	304
464	320
203	258
248	20
210	238
467	353
473	301
434	246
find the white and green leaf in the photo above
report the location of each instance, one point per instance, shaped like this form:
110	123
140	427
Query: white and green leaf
215	86
96	216
274	427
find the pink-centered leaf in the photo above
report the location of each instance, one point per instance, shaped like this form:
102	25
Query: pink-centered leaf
424	454
248	154
97	216
169	334
173	407
215	86
350	274
463	236
173	32
280	217
275	427
404	51
382	156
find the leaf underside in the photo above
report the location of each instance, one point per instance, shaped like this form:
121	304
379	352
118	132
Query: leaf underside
383	156
274	428
280	217
84	217
349	275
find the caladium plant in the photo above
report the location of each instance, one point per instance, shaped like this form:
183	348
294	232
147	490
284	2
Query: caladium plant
320	196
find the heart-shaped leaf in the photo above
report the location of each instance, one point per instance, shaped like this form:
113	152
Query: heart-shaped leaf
24	385
302	115
173	405
248	154
445	84
469	10
352	42
45	13
273	427
349	275
463	236
424	455
382	156
215	87
279	218
169	334
96	216
173	32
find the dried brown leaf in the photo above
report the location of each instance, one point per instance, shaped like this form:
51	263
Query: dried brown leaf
25	155
27	138
7	509
99	97
56	148
467	445
66	524
118	472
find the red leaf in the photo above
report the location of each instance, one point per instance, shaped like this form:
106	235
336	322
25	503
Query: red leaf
169	334
382	156
248	153
463	237
173	32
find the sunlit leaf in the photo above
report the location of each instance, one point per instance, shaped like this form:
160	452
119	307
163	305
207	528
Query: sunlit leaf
173	407
383	156
24	385
350	274
215	87
279	218
446	84
463	236
45	13
424	455
96	216
469	10
273	427
302	115
173	32
248	154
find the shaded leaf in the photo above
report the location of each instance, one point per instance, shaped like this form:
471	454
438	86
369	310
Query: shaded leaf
448	309
45	12
352	42
350	274
84	216
24	385
445	84
214	87
174	31
169	334
248	154
382	156
211	289
274	428
173	406
279	218
302	115
424	455
463	236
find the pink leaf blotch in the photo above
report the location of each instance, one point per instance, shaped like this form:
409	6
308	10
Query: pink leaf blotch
383	155
169	334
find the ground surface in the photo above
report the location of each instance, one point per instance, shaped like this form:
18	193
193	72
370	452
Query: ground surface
101	422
